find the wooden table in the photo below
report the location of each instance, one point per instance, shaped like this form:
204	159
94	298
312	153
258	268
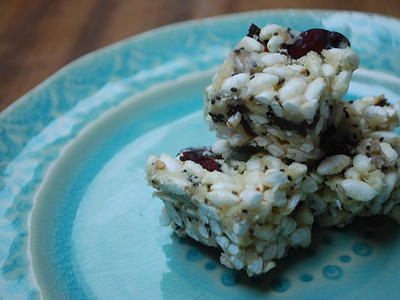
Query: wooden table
37	37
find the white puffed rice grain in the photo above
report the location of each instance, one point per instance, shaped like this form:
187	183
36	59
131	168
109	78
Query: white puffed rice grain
333	164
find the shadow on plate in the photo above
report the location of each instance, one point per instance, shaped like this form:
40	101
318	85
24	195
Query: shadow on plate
196	266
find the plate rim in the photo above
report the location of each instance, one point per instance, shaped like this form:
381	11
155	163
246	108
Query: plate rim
89	57
145	34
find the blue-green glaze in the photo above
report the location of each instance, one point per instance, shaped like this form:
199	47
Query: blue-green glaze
82	120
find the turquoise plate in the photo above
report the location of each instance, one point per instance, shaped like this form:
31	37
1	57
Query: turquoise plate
77	220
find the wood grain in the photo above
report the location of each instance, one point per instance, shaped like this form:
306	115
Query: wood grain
37	37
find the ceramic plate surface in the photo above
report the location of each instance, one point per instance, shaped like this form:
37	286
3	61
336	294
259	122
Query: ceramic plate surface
77	220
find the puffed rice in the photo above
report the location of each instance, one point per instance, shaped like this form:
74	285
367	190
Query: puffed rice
367	181
331	160
250	214
285	101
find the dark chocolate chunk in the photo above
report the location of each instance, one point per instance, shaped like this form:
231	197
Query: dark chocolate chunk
333	141
217	118
253	30
381	101
233	109
286	125
247	128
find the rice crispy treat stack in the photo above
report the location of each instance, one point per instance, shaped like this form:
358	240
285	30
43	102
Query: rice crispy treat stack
253	211
363	179
276	88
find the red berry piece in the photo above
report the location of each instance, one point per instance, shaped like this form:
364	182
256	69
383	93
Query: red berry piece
317	40
201	156
193	154
210	165
337	40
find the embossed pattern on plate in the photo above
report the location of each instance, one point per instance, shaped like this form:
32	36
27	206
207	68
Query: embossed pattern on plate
40	129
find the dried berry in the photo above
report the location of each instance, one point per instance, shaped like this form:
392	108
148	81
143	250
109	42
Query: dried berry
210	165
201	156
317	40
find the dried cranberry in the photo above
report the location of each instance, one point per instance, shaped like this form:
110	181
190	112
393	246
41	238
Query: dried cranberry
210	165
317	40
337	40
201	156
193	154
